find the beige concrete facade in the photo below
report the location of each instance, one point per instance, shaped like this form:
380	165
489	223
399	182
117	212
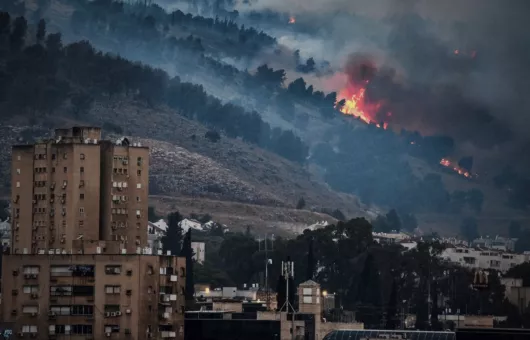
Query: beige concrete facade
94	296
79	266
77	187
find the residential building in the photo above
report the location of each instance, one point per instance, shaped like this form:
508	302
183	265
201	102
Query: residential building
63	187
155	232
80	264
516	293
5	233
497	243
241	320
199	251
482	259
94	296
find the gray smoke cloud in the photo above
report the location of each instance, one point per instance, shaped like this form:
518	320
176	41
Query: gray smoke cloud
473	52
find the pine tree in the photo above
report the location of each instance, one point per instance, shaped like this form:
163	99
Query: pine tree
187	252
172	240
391	312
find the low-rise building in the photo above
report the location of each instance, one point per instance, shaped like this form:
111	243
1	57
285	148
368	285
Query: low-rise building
248	322
155	232
497	243
482	259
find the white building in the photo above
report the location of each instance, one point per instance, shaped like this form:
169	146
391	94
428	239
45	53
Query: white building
199	251
483	259
389	238
155	232
5	233
186	224
497	243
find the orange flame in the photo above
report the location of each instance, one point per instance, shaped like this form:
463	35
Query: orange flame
356	105
461	171
292	20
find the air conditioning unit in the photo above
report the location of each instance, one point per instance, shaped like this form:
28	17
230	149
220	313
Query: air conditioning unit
34	296
107	314
166	315
33	335
128	311
107	334
20	334
33	314
27	276
118	313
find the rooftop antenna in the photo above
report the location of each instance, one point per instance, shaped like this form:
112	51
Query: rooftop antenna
287	272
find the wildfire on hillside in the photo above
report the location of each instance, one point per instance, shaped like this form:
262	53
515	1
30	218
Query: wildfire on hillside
357	105
461	171
292	20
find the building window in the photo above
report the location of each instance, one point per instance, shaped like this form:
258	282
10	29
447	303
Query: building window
83	290
81	223
18	184
61	271
81	210
53	169
18	171
138	199
81	329
139	172
112	329
112	270
138	214
139	186
60	310
30	309
30	289
29	329
65	155
82	310
112	289
31	270
81	196
82	169
18	157
53	156
82	156
65	169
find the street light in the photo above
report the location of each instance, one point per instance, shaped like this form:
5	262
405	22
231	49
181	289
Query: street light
324	293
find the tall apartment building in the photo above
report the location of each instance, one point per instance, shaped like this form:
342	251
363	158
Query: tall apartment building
79	264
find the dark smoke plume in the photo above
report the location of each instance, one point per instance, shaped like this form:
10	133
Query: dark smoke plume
431	109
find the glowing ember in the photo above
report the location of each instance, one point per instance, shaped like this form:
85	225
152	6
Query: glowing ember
292	20
461	171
